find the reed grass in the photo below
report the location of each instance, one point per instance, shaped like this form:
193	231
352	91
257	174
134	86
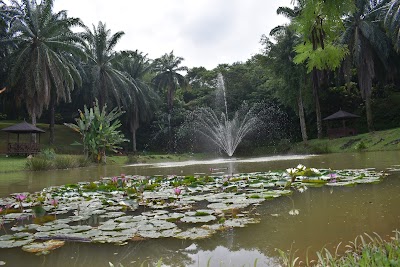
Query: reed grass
365	251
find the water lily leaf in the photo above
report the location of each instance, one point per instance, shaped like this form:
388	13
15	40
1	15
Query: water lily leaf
198	219
36	247
195	233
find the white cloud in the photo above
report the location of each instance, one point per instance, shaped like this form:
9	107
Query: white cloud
204	32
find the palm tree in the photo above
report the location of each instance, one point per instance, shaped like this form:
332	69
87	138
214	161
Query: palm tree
42	42
365	38
289	75
105	79
290	80
392	23
143	97
169	79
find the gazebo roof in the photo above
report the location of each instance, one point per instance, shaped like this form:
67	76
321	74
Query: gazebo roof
23	127
341	115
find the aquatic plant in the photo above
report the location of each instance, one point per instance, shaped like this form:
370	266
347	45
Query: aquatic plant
20	198
161	209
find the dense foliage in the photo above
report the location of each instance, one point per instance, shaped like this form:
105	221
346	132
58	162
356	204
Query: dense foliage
331	55
99	130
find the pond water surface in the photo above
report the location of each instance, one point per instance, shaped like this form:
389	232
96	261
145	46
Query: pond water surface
327	215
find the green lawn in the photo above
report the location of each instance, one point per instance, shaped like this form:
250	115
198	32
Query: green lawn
12	164
376	141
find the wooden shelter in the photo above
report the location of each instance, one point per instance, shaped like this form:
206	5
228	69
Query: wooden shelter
20	148
336	126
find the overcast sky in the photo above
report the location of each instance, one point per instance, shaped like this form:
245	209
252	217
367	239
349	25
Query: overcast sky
204	32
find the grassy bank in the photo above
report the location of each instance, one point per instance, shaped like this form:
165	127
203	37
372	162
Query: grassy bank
376	141
365	251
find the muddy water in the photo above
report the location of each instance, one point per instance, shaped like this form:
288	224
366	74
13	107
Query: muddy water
327	216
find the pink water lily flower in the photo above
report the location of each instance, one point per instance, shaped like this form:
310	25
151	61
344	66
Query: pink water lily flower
54	202
20	197
114	179
177	191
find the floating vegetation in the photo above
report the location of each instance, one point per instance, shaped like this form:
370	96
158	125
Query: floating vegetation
128	208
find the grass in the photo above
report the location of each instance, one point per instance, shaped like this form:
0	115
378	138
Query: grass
365	251
376	141
12	164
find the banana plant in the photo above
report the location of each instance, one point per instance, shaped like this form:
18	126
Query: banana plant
99	131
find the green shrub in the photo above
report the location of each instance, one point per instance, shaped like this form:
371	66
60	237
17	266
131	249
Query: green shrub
65	162
39	164
360	146
47	153
132	159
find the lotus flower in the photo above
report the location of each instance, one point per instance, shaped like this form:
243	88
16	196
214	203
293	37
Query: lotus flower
122	175
114	179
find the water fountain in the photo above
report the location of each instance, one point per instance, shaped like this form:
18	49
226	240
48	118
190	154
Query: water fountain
224	132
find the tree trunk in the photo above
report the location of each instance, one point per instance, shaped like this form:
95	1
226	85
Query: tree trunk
52	119
33	115
316	99
169	132
368	110
134	141
302	118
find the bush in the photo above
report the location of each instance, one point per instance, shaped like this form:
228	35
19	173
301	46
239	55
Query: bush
48	154
41	163
65	162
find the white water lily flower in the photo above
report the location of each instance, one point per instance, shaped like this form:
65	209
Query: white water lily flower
301	167
316	171
291	170
294	212
302	189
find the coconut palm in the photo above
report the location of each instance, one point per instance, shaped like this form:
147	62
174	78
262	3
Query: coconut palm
365	38
106	80
42	42
143	97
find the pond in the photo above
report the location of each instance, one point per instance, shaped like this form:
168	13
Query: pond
327	215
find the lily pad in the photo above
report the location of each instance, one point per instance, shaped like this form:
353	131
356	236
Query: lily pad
37	247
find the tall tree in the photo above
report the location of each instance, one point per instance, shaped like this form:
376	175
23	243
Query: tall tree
392	22
41	68
319	23
143	97
367	41
290	79
106	80
168	77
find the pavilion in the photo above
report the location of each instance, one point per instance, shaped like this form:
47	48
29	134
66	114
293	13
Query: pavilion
335	129
20	148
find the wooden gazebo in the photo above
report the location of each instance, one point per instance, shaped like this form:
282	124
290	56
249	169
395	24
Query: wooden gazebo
20	148
343	130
